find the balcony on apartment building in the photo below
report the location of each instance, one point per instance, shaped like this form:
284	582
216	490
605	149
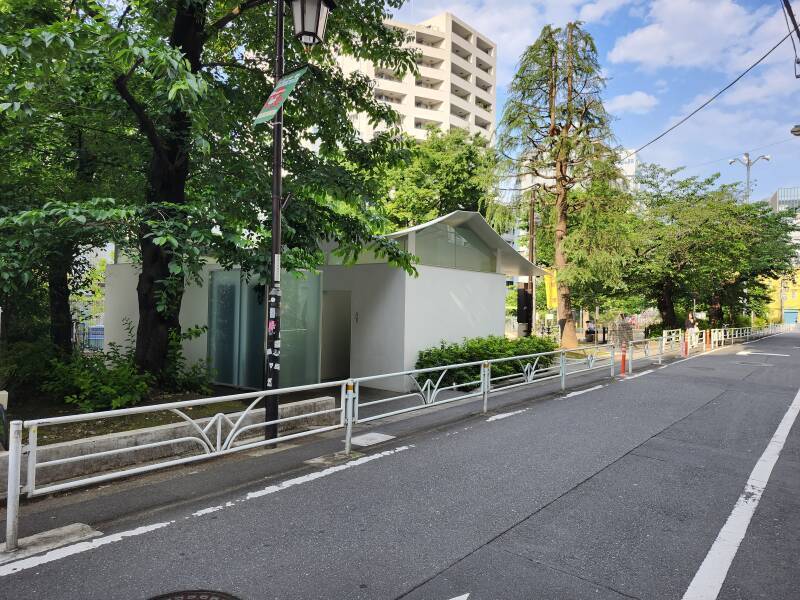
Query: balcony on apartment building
459	117
389	96
462	32
421	124
427	108
483	85
429	62
387	75
482	123
483	105
484	66
429	83
484	47
460	92
461	73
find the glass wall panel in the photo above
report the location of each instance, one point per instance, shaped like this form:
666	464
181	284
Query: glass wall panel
435	246
223	325
301	306
236	330
471	253
441	245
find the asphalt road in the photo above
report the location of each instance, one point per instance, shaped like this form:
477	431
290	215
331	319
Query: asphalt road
619	492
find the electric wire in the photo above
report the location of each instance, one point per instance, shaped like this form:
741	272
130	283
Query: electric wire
712	98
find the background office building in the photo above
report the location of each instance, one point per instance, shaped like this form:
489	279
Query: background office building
456	84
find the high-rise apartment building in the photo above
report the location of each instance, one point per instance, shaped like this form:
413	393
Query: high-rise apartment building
455	86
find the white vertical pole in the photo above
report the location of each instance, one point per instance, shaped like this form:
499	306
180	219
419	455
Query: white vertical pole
486	381
30	481
630	357
613	357
661	349
563	360
348	416
12	501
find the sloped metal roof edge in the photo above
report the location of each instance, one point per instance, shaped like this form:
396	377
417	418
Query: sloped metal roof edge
511	261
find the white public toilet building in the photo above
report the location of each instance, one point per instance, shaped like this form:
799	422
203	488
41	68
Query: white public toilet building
345	321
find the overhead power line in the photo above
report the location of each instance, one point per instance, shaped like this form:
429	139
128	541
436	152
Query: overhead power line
715	96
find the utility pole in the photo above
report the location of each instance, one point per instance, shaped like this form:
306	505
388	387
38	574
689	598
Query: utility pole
745	160
532	258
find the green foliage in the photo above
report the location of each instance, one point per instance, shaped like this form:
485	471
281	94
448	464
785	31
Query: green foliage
694	242
24	364
445	172
98	380
477	349
180	376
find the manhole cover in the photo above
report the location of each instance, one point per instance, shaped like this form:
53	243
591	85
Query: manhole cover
195	595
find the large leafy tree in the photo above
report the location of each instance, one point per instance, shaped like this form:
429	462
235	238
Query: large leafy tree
189	76
59	153
696	243
555	130
447	171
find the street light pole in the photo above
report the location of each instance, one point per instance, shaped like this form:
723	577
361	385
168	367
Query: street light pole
310	20
745	160
272	350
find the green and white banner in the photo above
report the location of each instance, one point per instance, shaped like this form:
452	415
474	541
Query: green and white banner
279	95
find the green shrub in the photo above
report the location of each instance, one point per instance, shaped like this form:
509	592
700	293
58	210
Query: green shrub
23	365
180	376
476	349
98	381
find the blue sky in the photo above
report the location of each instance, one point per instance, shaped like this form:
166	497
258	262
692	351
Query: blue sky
663	58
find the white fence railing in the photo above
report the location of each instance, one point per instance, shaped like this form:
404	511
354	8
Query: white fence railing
436	386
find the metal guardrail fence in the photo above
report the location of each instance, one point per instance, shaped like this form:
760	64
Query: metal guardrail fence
428	388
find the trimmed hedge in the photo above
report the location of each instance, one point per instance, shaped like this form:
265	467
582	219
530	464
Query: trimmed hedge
485	348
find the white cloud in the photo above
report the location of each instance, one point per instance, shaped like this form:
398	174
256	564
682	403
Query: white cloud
722	35
637	102
512	24
596	11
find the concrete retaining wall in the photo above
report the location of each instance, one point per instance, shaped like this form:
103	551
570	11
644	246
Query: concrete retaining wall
139	437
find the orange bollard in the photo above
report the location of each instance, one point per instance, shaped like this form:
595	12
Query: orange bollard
623	370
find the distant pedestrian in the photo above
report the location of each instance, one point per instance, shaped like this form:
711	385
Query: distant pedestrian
690	325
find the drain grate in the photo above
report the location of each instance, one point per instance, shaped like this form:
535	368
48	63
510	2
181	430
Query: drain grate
195	595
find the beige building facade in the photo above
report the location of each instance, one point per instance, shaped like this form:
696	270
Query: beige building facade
455	86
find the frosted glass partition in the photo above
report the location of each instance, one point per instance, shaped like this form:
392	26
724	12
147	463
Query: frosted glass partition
442	245
236	330
301	315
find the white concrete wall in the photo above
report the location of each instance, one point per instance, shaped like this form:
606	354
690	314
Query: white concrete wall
377	315
450	304
121	303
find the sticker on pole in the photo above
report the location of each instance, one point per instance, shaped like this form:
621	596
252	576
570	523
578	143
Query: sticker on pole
279	95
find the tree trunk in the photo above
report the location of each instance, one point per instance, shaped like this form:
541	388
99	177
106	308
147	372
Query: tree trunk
715	311
58	270
166	183
566	322
666	306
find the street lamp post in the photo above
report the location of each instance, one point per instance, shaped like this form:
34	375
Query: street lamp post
745	160
309	18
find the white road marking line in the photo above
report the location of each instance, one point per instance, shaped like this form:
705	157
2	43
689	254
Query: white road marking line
579	392
47	540
708	580
370	439
749	352
324	473
634	376
464	597
59	553
505	415
70	550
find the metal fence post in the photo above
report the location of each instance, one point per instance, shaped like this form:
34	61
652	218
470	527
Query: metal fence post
563	369
12	501
33	444
661	349
613	358
486	382
348	416
630	357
